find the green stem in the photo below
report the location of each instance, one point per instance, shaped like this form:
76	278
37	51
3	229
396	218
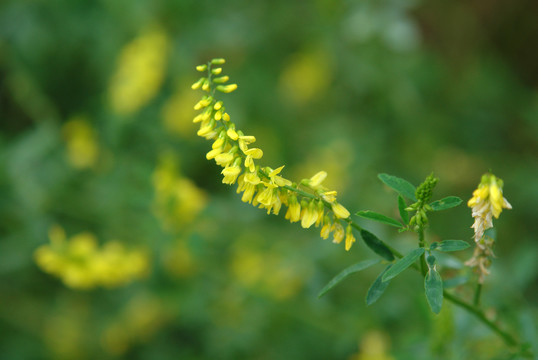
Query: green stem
508	339
422	244
478	292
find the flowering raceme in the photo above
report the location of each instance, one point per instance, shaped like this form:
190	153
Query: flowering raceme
81	264
308	202
487	202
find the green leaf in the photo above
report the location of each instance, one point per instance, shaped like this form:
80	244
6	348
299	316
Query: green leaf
455	281
376	245
402	186
379	217
401	207
345	273
450	245
446	203
433	284
403	264
377	289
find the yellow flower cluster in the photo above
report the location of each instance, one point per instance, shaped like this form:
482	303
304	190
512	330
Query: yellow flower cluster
81	142
177	199
308	202
81	264
140	72
487	202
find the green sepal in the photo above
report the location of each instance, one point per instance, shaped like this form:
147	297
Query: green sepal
402	186
376	245
433	284
446	203
372	215
378	288
401	208
345	273
403	264
450	245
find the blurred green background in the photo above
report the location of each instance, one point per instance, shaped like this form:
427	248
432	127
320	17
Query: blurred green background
96	136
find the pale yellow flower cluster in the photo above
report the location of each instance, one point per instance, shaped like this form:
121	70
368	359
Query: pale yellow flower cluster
487	202
140	72
81	142
264	187
177	198
81	264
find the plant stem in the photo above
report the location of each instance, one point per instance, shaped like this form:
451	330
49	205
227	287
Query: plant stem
478	292
422	244
508	339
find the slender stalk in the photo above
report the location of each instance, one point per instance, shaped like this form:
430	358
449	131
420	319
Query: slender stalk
478	292
422	244
508	339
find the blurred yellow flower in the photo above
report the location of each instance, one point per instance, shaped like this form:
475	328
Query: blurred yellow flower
142	317
266	271
177	199
178	112
81	142
140	72
374	345
306	77
81	264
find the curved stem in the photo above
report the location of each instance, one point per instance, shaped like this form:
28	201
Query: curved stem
508	339
478	292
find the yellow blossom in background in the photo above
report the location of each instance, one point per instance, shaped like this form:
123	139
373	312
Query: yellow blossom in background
141	318
179	259
81	264
266	271
64	330
309	201
140	72
374	345
81	142
177	113
305	77
177	199
487	202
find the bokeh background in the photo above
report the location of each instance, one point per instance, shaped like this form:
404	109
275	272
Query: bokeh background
96	139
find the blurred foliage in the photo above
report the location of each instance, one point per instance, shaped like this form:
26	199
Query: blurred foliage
96	136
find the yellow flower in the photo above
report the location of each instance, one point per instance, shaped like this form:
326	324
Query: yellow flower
269	190
338	233
294	209
350	239
81	141
140	72
309	214
231	173
487	202
326	228
340	211
81	264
